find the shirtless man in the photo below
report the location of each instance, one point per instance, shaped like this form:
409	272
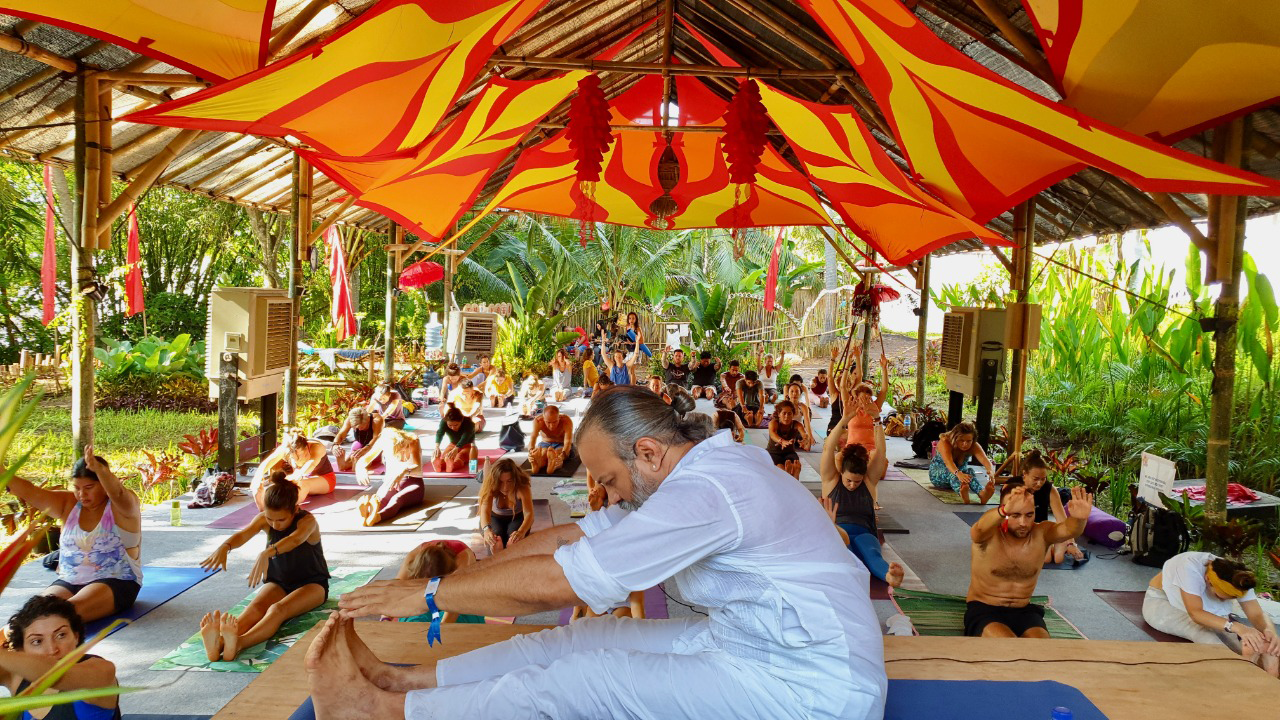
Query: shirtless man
1005	562
556	433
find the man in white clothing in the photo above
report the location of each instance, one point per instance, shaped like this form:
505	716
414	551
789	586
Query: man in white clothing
790	631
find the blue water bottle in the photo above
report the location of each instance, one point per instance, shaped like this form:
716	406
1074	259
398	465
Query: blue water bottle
1060	713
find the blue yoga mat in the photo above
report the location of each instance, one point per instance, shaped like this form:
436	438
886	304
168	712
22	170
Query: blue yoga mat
953	700
973	699
159	586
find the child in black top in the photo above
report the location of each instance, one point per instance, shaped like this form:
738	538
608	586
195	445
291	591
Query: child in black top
292	570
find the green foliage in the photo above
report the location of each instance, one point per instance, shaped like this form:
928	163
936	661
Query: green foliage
710	313
168	314
526	343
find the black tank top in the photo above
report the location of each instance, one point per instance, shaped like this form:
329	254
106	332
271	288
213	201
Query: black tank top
1041	498
68	711
362	436
677	374
751	395
788	433
837	412
300	565
704	375
855	507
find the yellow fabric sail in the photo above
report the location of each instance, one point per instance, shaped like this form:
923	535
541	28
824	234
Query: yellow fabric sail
215	39
1164	68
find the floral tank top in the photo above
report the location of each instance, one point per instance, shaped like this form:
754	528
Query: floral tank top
97	554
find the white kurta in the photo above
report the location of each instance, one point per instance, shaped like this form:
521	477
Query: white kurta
791	632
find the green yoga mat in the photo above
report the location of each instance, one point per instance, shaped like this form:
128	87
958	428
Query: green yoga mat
190	655
935	614
921	478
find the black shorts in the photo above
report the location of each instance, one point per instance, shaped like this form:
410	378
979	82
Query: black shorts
782	456
289	587
978	615
123	592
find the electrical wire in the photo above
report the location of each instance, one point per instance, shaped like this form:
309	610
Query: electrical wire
663	588
1113	286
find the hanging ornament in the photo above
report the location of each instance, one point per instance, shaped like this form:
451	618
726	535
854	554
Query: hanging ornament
867	298
664	207
421	274
745	124
589	138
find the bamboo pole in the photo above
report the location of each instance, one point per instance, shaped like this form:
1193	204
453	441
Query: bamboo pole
105	153
301	225
1018	39
389	318
144	78
37	53
651	68
330	220
976	33
232	163
1024	220
1227	220
200	159
922	342
83	315
148	175
297	24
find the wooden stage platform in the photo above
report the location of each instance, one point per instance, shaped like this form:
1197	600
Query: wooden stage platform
1127	681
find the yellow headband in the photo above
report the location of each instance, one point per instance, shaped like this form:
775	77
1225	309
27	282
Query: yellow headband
1222	586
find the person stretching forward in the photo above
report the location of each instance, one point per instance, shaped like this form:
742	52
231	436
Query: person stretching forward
790	631
1006	559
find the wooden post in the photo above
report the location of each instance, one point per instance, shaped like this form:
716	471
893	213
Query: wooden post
1226	230
389	318
922	342
82	266
301	228
1019	282
228	406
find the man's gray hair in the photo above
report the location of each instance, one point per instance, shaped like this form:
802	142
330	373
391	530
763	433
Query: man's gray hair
626	413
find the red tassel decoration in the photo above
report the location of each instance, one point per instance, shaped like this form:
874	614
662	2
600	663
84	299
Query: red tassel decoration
589	138
745	124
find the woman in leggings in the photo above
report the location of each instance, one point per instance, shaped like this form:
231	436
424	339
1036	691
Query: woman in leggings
506	505
402	486
849	480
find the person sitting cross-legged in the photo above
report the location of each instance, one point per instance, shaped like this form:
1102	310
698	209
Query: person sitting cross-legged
561	376
1035	477
1195	595
499	389
703	375
949	468
750	396
551	442
364	427
1005	561
533	395
785	435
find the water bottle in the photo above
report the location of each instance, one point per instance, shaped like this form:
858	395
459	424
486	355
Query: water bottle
434	334
1060	713
471	466
175	513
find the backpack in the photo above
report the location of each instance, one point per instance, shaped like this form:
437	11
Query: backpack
511	437
928	434
213	490
1156	534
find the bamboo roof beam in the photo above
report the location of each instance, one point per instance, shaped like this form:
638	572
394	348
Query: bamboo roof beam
218	189
976	33
35	52
289	32
147	176
329	221
1019	40
258	184
65	108
21	87
1184	222
653	68
143	78
201	158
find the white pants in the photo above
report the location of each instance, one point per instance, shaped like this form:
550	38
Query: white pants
1163	616
602	668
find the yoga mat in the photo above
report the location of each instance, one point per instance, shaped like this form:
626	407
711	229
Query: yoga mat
935	614
921	478
574	494
348	519
974	699
243	515
895	475
1129	604
190	655
145	716
888	525
483	457
541	521
913	463
655	606
159	586
567	470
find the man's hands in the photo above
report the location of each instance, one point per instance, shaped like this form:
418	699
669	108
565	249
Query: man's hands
217	560
1014	495
393	598
1081	503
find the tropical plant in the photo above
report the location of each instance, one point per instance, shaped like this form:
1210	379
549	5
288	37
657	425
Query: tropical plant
202	446
152	356
711	314
525	343
159	471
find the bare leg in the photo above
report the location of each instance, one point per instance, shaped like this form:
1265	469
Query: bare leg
313	485
339	690
1035	632
94	601
537	460
307	597
999	630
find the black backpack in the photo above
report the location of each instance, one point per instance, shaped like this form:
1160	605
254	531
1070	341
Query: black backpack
1156	534
511	437
928	434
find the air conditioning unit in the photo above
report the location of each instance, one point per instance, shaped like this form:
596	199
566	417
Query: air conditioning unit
472	333
258	324
964	330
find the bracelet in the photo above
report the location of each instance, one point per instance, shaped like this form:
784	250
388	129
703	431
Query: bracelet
437	617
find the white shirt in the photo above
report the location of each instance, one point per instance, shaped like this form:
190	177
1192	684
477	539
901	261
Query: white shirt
1185	573
743	539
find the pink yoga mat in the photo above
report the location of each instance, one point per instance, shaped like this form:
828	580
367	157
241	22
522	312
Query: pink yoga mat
483	457
243	515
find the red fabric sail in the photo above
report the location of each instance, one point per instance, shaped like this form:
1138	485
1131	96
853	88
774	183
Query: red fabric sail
49	265
341	309
771	284
133	291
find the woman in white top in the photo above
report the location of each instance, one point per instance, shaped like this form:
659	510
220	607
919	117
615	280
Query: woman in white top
768	377
1194	595
561	376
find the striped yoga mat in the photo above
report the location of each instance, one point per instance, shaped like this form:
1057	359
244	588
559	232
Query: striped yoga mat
936	614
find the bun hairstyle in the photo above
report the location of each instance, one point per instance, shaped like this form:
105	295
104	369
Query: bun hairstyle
627	413
281	494
453	414
1240	577
428	560
854	460
1033	460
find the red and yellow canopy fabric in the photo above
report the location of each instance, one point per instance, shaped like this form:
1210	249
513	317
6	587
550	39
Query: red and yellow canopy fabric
429	190
378	87
1164	68
215	39
543	180
883	206
984	144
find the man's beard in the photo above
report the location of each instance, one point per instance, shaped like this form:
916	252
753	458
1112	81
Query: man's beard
641	489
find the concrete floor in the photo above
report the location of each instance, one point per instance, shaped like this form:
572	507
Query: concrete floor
937	549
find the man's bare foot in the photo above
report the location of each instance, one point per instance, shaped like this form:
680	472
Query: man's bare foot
209	635
895	575
339	690
379	673
230	630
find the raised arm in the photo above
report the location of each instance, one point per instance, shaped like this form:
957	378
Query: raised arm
828	467
54	503
123	501
988	525
1069	528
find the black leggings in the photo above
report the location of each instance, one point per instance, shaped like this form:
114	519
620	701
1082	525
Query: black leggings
504	525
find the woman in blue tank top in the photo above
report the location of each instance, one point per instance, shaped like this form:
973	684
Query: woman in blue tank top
45	630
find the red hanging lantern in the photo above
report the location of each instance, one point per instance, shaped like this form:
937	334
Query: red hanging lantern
589	138
745	124
421	274
868	297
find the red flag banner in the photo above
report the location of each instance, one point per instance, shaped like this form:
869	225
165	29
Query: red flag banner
771	285
49	265
133	291
343	312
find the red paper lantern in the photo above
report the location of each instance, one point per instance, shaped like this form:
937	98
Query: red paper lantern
745	124
867	299
589	138
421	274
